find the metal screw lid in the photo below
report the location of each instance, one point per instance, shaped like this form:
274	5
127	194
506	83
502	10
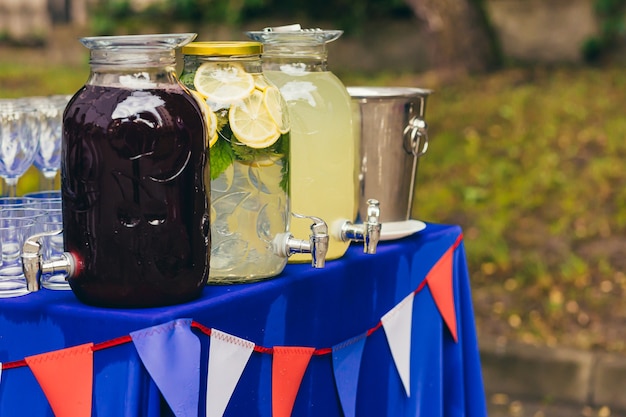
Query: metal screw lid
228	48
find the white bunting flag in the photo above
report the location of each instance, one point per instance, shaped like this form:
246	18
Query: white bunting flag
228	356
397	324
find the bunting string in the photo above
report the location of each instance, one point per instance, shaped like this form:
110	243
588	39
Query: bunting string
203	329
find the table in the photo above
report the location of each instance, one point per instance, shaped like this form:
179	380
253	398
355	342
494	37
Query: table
302	307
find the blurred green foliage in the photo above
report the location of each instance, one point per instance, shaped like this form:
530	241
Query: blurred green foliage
530	162
612	20
110	15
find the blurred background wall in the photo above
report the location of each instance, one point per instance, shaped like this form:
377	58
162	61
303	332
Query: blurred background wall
543	30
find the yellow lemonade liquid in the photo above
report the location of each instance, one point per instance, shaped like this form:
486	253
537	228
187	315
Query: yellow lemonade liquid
247	211
323	164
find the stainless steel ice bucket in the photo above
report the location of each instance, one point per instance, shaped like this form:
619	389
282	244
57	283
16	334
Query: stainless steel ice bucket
393	135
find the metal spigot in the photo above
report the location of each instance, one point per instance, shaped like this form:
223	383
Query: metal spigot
284	244
368	232
34	265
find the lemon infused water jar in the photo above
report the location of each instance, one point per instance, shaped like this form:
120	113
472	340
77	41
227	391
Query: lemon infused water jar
249	132
324	153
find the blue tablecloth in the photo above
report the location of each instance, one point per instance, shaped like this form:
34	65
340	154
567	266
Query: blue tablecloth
301	307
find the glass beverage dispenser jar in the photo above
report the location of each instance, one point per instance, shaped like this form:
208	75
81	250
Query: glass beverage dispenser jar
249	138
135	209
324	150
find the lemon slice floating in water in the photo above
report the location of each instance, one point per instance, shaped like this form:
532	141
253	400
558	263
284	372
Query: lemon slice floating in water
212	128
277	108
259	82
223	82
209	116
251	122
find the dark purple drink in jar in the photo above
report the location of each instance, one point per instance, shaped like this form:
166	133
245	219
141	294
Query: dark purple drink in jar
134	195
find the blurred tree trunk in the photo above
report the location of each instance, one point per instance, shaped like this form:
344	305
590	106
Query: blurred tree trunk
458	35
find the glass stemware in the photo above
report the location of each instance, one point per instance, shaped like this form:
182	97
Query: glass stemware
18	141
48	156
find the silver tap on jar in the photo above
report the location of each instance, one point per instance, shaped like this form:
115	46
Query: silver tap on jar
34	264
286	245
367	232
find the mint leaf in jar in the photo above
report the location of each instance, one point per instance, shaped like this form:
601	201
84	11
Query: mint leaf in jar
221	157
187	80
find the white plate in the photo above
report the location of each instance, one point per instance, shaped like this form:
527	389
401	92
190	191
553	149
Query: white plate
397	230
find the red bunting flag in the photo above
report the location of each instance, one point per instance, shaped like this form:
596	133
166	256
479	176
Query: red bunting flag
439	280
66	378
288	367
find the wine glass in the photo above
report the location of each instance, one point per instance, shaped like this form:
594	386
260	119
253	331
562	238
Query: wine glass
18	141
48	157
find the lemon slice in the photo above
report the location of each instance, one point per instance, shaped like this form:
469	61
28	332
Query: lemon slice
212	128
223	82
277	108
251	123
210	117
259	82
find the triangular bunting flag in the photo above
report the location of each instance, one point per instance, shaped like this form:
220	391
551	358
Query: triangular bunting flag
66	378
397	324
171	354
346	367
439	280
228	356
288	367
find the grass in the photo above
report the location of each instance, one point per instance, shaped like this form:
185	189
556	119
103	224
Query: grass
34	80
529	161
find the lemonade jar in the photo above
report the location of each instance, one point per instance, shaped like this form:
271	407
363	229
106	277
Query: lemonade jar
249	138
324	143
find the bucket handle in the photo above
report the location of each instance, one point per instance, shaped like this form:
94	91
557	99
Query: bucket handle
416	137
416	143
